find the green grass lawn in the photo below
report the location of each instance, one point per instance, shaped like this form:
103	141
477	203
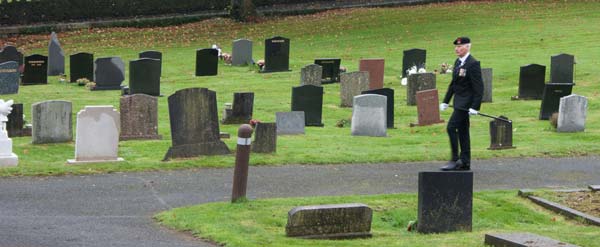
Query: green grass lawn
505	36
262	222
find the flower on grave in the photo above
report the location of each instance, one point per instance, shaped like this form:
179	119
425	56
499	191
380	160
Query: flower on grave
82	81
445	68
254	122
260	64
343	69
90	85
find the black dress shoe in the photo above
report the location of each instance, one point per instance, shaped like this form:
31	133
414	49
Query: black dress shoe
462	166
451	165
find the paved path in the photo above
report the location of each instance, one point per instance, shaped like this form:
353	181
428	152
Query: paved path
116	209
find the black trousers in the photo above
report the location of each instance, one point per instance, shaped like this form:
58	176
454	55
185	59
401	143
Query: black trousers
458	132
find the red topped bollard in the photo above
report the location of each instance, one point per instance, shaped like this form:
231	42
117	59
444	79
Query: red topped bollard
242	158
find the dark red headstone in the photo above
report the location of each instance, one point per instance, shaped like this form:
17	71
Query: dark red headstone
427	107
375	67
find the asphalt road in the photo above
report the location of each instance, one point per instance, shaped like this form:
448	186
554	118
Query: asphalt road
116	209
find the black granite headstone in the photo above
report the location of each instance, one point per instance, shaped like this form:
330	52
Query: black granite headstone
36	69
331	69
81	66
241	112
10	53
153	55
109	73
15	126
309	99
277	54
265	138
562	68
445	201
389	93
9	77
501	133
532	79
551	98
144	76
413	57
194	124
207	62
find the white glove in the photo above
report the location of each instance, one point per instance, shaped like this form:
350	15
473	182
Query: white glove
443	106
473	112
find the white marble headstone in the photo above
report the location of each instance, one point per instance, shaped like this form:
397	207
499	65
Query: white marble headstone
369	115
572	113
97	135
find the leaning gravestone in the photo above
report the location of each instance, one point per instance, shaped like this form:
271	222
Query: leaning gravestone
194	124
109	73
277	54
311	75
265	138
519	239
290	123
375	67
9	77
413	57
486	75
427	107
153	55
36	69
551	98
241	53
501	134
352	84
11	53
389	94
334	221
572	113
243	106
56	57
309	99
369	115
445	201
139	117
418	82
144	76
331	69
97	135
562	68
81	66
52	122
207	62
532	79
16	124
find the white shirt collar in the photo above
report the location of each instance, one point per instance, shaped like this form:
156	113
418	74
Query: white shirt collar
463	59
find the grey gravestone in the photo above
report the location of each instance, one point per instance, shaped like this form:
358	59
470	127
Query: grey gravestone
265	138
369	115
277	54
241	53
109	73
418	82
309	99
144	76
194	124
81	66
243	106
413	57
9	77
501	134
52	122
15	126
36	69
487	75
445	201
572	113
352	84
389	94
562	68
97	135
521	239
334	221
311	75
139	117
551	98
532	79
331	69
154	55
290	123
10	53
207	62
56	57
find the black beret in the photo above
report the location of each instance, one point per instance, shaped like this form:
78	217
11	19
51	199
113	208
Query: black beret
462	41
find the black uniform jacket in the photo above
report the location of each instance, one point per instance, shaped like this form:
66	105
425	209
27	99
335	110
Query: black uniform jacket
466	85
